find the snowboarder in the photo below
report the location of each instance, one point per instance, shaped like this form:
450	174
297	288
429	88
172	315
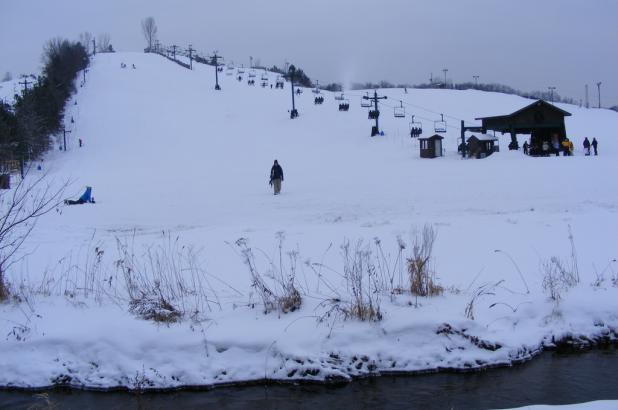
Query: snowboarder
276	177
594	145
586	147
81	143
525	147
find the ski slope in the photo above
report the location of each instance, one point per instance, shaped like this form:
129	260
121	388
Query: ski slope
166	154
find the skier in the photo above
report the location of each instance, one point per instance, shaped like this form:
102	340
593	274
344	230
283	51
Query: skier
594	145
276	177
81	143
525	147
586	147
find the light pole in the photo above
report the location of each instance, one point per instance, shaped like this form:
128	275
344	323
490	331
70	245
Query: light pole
551	94
292	72
599	89
445	70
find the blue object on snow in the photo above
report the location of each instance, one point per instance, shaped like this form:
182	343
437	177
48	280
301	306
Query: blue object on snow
87	196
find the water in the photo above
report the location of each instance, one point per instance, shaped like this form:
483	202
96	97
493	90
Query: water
551	378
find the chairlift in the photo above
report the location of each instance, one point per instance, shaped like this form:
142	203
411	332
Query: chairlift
339	97
264	76
318	100
229	71
400	112
373	114
252	74
416	128
344	105
440	125
316	90
279	83
365	102
241	70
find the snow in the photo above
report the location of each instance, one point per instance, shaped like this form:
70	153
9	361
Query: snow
171	159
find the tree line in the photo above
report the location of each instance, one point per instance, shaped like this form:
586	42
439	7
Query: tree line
26	126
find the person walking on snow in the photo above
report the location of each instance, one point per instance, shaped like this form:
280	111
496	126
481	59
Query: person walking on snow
586	146
276	177
594	145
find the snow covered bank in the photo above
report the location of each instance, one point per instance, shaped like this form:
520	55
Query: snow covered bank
169	158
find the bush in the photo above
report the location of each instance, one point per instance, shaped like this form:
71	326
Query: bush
422	278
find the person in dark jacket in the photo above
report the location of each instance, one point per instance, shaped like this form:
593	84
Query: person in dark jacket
276	177
586	146
594	145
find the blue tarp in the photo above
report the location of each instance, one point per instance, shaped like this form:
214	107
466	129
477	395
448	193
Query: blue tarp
87	196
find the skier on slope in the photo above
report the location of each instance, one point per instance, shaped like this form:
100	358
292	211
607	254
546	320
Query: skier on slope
594	145
586	146
276	177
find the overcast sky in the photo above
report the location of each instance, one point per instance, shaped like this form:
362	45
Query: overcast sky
527	44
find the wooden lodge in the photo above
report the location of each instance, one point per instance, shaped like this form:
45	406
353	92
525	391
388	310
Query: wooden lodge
542	120
431	147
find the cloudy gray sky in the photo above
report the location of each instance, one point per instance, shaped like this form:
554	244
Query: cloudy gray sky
528	44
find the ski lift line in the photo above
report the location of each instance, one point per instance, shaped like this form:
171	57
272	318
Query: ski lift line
416	106
431	121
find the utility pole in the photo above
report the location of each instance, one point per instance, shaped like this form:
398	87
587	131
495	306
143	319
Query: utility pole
445	70
551	94
157	44
376	114
292	73
587	100
25	83
191	50
85	70
476	80
216	58
64	137
94	47
174	47
599	88
250	62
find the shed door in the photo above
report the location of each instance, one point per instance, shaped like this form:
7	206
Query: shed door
438	145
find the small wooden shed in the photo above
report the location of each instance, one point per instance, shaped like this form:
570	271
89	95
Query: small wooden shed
431	147
481	146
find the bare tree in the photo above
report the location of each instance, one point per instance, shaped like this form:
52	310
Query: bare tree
103	43
149	28
20	209
85	39
7	76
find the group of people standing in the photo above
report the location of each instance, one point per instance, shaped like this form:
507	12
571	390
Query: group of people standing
566	147
587	145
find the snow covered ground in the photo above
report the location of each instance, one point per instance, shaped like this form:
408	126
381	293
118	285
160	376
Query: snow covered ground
171	162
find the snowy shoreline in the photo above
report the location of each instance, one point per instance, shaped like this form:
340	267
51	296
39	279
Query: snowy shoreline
568	346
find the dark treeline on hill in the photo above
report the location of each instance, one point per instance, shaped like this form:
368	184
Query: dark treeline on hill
26	127
498	88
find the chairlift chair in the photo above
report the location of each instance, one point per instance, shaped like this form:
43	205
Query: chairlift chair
344	105
339	97
252	74
366	103
440	125
416	128
400	112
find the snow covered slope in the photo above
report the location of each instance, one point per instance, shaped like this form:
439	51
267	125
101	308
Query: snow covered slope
166	154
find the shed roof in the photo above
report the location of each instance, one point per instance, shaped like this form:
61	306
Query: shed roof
536	104
483	137
433	137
